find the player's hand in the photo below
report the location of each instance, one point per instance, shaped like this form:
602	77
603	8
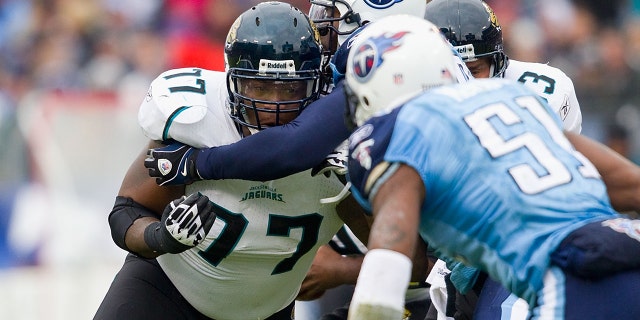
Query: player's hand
328	270
335	161
174	164
185	223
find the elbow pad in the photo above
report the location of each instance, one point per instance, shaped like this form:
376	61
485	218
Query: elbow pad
125	211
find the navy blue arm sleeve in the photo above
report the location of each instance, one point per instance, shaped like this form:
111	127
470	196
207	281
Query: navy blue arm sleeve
284	150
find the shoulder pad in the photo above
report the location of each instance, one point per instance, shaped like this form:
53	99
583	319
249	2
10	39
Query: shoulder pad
176	105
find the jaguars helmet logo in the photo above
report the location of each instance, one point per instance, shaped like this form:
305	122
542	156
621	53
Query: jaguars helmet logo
233	31
492	16
316	34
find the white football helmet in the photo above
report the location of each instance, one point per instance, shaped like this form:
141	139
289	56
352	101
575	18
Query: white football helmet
392	60
355	13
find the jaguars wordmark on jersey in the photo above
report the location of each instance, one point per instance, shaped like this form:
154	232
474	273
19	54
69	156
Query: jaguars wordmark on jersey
262	192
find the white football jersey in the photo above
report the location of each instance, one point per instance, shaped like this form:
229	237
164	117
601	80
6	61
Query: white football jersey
260	248
262	244
551	84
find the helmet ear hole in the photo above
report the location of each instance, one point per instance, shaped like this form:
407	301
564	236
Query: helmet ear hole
365	101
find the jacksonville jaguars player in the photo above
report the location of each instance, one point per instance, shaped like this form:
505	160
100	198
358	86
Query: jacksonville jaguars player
483	171
473	29
231	249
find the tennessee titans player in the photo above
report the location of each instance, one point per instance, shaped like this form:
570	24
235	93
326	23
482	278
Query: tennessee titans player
483	171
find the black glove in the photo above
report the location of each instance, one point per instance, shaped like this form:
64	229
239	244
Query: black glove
174	164
185	223
336	161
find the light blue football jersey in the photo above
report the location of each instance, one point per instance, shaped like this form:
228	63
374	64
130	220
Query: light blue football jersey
503	184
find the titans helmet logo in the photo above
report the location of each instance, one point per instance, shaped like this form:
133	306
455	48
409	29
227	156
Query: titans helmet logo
381	4
370	54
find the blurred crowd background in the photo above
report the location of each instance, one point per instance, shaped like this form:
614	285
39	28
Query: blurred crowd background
73	73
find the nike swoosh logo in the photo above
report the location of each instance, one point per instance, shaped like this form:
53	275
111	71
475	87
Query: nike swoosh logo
184	171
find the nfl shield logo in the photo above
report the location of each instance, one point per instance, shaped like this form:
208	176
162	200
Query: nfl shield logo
164	166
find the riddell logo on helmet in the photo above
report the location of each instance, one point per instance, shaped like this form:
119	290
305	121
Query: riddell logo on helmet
466	51
276	65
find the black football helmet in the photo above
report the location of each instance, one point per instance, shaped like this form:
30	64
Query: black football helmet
472	28
276	42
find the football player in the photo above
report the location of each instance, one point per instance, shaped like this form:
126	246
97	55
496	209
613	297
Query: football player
483	171
231	249
473	29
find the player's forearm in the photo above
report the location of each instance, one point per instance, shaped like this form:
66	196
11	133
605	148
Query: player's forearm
621	176
355	218
140	201
396	208
388	233
135	238
257	159
349	268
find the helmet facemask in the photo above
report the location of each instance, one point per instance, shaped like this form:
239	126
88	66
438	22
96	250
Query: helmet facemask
270	99
496	58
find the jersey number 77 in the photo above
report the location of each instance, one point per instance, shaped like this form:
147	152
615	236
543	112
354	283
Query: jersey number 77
278	226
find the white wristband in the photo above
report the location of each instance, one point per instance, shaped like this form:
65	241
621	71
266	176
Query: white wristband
382	281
